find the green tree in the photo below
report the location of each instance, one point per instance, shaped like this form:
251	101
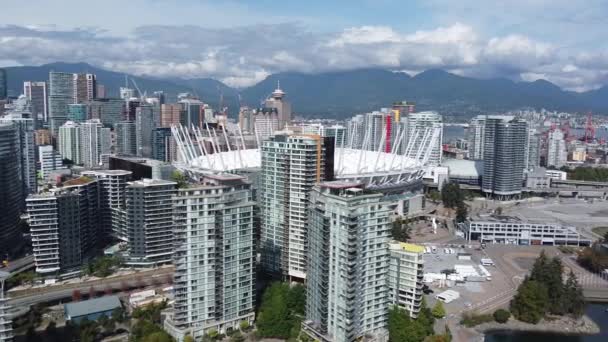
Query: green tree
438	310
158	336
530	303
118	315
213	334
451	195
180	179
296	299
501	315
237	337
244	325
273	317
461	212
400	230
398	322
188	338
573	296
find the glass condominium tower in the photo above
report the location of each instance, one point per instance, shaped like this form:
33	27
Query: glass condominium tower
291	166
214	256
347	295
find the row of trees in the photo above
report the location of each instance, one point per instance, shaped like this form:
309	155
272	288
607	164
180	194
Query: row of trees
103	266
453	197
401	230
593	258
594	174
544	292
402	328
281	311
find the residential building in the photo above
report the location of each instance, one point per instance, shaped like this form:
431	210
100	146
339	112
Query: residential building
70	142
112	201
64	226
214	256
557	154
514	231
42	137
37	93
126	138
417	125
20	115
265	122
405	275
579	154
347	297
145	123
533	150
283	107
192	111
475	137
101	91
11	193
170	114
48	160
85	87
142	167
504	146
96	141
61	94
149	221
3	84
6	319
291	166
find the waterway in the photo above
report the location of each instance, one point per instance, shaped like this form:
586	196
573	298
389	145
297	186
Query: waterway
452	133
597	312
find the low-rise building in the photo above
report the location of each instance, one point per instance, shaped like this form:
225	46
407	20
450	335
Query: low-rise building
91	309
405	276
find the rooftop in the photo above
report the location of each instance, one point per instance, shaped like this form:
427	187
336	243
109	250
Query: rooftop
150	182
78	181
92	306
407	247
464	168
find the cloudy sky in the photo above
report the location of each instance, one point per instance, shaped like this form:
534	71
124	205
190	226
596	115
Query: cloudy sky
241	42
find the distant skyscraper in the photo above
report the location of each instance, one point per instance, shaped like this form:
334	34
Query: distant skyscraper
10	188
37	93
533	150
418	122
109	111
77	112
160	95
61	94
356	131
291	166
131	109
126	138
101	91
214	272
64	226
557	154
70	142
49	160
170	114
3	84
405	276
163	145
264	123
192	111
504	154
42	137
85	87
475	137
126	93
277	101
346	289
145	123
149	221
95	141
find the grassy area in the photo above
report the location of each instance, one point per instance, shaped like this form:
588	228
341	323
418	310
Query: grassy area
470	319
600	230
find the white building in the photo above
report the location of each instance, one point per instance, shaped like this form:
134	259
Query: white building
70	143
475	136
417	124
405	275
96	140
214	257
347	295
557	154
49	160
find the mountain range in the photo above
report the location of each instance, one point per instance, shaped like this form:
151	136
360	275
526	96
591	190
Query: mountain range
345	93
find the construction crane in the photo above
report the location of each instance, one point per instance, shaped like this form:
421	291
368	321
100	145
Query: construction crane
589	129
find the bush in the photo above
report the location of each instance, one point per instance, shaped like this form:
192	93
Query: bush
438	310
501	315
470	319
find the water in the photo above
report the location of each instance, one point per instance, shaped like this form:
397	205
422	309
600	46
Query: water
451	133
597	312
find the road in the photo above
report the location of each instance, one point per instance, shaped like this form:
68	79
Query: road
18	265
56	292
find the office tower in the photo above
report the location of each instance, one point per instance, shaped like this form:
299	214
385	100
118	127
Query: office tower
405	274
163	145
108	111
126	138
192	110
264	123
170	114
533	150
70	142
160	96
475	134
11	190
37	93
245	119
77	112
64	226
112	201
291	166
149	221
101	91
61	94
557	154
131	109
85	87
95	141
42	137
214	256
145	123
277	101
346	288
3	84
417	123
49	160
504	146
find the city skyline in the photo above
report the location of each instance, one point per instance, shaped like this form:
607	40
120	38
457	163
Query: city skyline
557	41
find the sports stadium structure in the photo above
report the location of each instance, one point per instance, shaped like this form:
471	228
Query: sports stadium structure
377	169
